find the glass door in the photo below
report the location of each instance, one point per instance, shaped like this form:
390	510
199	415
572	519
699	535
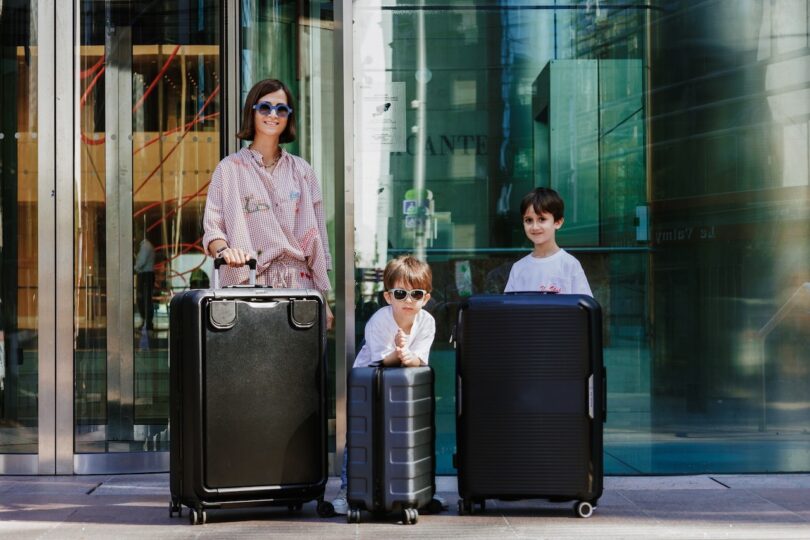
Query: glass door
19	226
148	106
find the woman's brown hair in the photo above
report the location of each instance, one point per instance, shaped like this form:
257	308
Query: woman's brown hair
262	88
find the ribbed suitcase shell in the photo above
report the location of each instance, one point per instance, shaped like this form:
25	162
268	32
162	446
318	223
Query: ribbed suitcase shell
248	409
530	398
391	438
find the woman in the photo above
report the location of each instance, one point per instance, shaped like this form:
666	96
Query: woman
266	203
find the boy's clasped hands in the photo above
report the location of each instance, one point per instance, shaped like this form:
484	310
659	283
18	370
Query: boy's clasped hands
406	357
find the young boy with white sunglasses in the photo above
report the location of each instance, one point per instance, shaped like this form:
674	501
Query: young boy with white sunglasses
399	334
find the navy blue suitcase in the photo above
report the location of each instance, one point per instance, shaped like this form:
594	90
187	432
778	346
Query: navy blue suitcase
531	400
391	442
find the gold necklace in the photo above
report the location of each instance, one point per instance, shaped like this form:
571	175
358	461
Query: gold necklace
273	163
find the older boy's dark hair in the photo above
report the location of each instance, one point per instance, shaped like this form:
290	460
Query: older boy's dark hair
543	200
262	88
408	269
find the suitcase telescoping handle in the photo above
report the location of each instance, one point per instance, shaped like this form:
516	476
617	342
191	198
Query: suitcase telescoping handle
220	261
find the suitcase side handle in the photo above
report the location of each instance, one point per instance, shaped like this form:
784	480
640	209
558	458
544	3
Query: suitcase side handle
220	261
456	338
603	403
604	394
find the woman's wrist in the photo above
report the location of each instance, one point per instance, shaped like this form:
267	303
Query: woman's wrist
221	249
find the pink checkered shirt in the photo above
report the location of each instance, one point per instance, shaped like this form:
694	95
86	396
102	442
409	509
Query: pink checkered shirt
278	217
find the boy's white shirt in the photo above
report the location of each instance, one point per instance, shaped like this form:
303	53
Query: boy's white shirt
560	273
381	330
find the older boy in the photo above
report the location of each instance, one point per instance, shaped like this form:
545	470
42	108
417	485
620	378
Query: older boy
548	268
399	334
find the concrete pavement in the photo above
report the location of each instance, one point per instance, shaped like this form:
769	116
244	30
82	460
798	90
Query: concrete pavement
136	506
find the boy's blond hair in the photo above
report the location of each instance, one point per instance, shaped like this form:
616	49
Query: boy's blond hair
410	270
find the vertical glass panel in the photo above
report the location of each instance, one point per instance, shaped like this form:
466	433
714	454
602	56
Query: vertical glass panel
294	42
730	217
149	109
677	133
18	229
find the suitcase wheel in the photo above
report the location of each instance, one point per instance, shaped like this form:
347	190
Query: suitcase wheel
467	506
353	516
410	516
197	516
175	507
325	509
583	509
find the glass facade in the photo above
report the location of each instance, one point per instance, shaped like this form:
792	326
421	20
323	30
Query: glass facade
19	359
678	133
729	206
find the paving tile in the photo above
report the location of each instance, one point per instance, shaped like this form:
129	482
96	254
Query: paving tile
792	500
35	512
750	481
67	485
660	482
728	506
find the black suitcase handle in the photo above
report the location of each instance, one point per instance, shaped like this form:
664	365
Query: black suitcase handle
220	261
604	394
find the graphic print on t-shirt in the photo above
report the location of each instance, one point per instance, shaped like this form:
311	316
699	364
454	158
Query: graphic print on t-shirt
550	287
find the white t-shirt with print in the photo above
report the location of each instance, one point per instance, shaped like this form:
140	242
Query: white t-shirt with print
559	273
381	330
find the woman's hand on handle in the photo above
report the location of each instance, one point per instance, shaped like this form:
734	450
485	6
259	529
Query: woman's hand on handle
234	256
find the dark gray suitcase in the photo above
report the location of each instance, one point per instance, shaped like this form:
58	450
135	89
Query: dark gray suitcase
530	399
391	441
248	407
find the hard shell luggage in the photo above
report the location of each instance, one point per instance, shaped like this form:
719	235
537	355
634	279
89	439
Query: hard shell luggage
531	400
391	441
248	407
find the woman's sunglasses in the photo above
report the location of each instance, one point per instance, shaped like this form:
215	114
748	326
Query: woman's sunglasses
401	294
265	108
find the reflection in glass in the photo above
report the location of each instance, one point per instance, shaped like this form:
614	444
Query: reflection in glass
18	226
679	140
295	44
149	111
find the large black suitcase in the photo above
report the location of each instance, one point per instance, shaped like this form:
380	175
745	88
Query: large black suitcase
248	409
530	401
391	441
